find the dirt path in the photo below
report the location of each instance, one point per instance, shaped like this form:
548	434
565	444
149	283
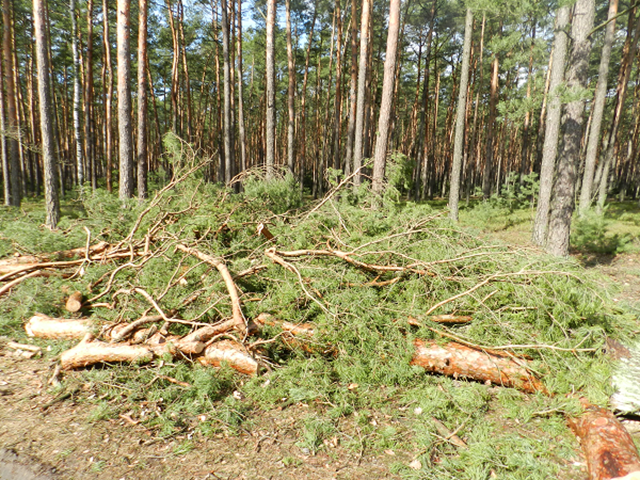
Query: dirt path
61	443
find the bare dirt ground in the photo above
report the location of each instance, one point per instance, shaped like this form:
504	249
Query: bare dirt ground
60	442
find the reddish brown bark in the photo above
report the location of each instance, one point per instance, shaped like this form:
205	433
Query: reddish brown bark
456	360
608	447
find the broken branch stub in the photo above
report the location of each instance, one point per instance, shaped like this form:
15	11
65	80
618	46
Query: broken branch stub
43	326
456	360
607	446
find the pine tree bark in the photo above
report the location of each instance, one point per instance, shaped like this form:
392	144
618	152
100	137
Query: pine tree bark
458	146
353	85
598	111
228	115
142	100
290	93
52	205
242	142
124	101
12	117
89	147
552	126
271	90
358	143
577	77
487	175
108	96
621	94
6	183
388	88
76	94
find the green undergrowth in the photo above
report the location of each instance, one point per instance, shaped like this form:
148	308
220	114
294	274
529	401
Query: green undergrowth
354	378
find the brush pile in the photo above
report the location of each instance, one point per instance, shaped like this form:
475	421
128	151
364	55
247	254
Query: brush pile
327	300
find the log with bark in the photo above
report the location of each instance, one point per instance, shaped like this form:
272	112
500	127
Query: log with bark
231	353
43	326
607	446
91	351
456	360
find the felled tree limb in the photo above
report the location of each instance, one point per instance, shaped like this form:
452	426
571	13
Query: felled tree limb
123	331
346	256
54	256
607	446
233	354
8	286
456	360
90	351
43	326
238	317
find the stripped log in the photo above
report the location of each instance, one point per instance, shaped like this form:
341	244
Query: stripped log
43	326
456	360
90	352
74	302
233	354
607	446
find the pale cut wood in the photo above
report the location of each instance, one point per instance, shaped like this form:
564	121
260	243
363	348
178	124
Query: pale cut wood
74	302
43	326
90	352
450	318
233	354
456	360
608	447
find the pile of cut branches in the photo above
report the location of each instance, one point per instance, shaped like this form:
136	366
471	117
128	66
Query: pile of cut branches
351	295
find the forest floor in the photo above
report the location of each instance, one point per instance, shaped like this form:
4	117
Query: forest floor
41	438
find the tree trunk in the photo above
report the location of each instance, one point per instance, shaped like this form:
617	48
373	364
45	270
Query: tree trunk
76	94
337	108
241	128
563	194
552	127
290	93
89	147
456	166
52	205
598	110
12	118
142	100
108	94
353	85
6	175
621	93
388	87
487	175
362	83
124	102
271	90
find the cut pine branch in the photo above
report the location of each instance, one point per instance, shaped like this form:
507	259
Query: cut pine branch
219	264
74	302
607	446
456	360
348	257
